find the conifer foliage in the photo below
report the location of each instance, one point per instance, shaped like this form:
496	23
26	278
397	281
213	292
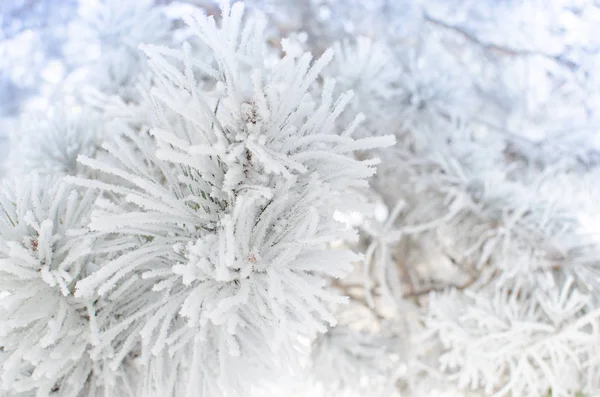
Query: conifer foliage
298	199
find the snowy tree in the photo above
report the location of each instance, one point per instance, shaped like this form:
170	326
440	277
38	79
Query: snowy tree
300	198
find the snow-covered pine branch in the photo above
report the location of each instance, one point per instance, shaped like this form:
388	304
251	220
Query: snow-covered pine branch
47	334
51	145
108	33
520	340
233	199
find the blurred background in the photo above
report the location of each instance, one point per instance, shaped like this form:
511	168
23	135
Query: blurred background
528	67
